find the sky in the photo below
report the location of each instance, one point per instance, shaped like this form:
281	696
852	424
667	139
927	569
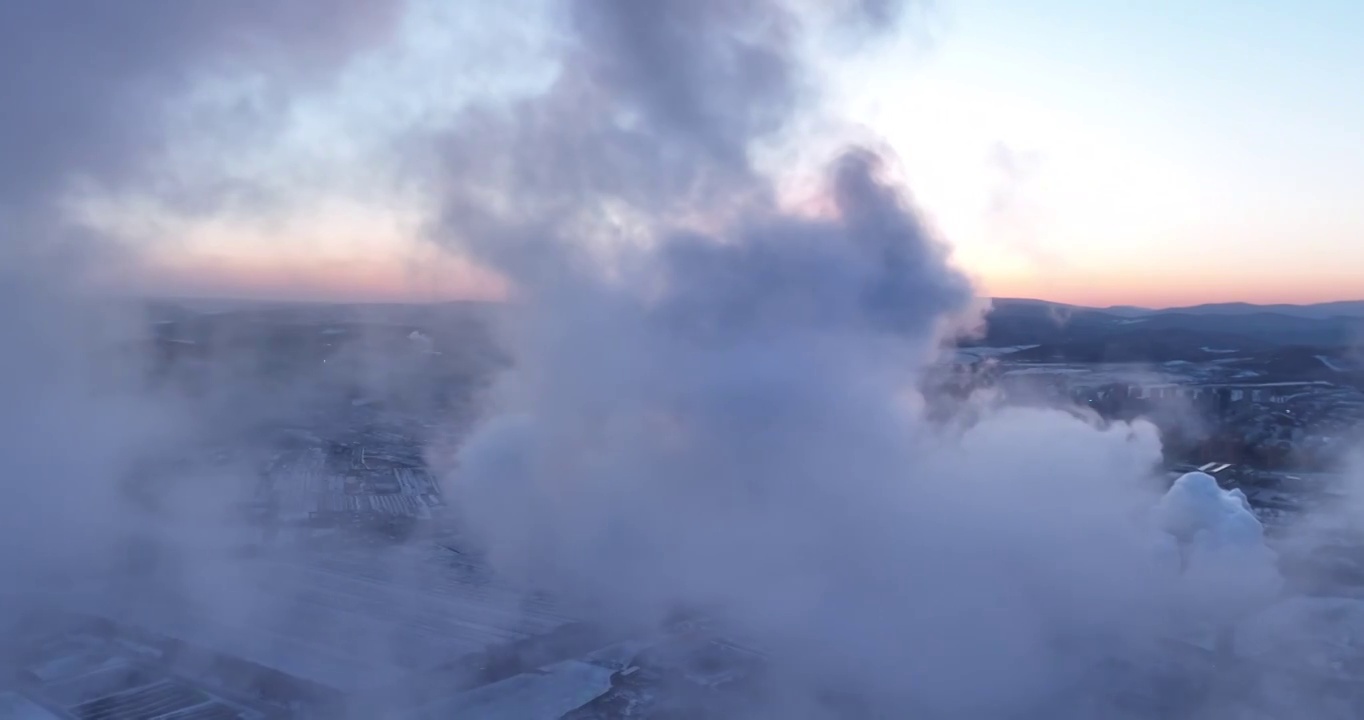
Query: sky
1156	154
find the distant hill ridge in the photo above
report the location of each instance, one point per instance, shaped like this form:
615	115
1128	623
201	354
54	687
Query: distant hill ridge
1340	308
1326	338
1201	332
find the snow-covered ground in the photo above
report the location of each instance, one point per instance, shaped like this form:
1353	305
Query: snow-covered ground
1332	363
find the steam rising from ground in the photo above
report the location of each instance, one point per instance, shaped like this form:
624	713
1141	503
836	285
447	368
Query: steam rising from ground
727	414
717	399
88	92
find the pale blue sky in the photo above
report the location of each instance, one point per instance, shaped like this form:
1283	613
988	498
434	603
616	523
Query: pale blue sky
1181	139
1090	151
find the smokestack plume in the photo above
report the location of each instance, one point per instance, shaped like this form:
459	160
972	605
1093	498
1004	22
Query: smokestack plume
715	400
715	397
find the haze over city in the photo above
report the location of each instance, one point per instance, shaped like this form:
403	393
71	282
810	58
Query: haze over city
715	359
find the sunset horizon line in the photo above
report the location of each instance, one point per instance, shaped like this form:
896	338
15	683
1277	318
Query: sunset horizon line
248	298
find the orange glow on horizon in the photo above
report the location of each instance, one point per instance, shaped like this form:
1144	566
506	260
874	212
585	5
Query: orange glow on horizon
1174	290
437	279
414	272
452	278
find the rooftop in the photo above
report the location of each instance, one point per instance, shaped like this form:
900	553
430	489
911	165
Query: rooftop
349	622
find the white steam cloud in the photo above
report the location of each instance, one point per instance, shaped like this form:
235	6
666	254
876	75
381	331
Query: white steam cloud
88	89
726	414
716	401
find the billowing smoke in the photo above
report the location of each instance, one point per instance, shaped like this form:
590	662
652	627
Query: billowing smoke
716	397
89	90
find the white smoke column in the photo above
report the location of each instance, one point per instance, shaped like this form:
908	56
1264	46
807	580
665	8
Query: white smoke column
1228	573
729	418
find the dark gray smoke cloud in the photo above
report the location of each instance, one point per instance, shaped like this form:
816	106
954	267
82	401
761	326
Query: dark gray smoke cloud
710	74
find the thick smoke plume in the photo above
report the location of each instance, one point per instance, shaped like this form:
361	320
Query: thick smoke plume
716	398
